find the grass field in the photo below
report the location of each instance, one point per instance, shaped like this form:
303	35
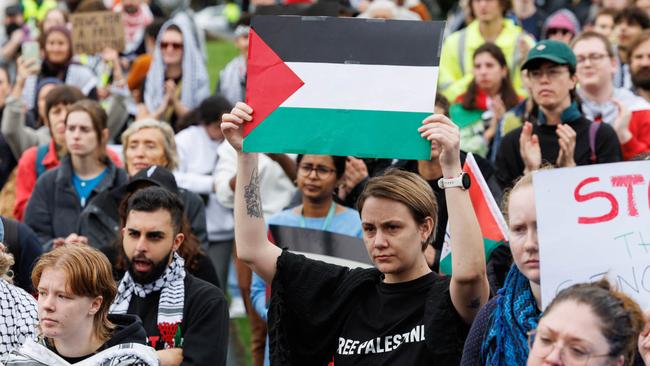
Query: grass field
219	54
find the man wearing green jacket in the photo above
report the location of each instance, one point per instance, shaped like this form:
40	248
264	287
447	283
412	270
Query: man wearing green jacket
489	25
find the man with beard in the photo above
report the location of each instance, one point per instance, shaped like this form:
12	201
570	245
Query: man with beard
639	55
629	23
629	114
186	319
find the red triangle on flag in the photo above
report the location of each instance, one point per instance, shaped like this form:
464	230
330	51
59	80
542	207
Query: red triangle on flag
269	81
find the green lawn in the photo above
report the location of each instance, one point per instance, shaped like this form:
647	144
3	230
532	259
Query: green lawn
219	54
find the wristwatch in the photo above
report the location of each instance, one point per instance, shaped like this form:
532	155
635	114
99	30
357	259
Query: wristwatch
462	181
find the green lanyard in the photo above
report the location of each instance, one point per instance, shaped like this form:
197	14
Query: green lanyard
328	218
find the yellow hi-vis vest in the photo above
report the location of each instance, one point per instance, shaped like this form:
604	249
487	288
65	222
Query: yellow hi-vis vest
456	61
31	9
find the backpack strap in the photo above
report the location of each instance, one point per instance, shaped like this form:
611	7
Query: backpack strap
41	151
593	130
516	56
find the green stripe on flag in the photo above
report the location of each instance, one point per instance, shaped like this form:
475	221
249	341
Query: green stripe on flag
378	134
489	245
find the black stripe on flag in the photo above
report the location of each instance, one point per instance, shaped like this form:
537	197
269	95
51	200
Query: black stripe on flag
320	242
352	40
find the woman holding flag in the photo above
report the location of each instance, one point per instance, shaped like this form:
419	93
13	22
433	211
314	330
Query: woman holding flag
499	334
399	312
317	178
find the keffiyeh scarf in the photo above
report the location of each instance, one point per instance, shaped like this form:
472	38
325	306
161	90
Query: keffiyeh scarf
172	292
516	313
195	86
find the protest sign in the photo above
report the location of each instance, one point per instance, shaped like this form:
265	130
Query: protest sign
94	31
594	221
326	246
490	219
341	86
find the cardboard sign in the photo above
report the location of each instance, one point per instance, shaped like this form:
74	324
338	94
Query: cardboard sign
594	221
94	31
341	86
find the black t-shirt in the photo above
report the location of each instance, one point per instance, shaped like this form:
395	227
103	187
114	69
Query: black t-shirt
320	311
387	327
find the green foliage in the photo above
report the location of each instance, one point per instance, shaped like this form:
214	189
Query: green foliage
219	54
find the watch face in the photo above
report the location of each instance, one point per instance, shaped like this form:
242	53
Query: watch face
466	181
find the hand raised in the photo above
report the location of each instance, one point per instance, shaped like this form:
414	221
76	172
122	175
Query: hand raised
529	148
622	123
567	140
232	124
441	130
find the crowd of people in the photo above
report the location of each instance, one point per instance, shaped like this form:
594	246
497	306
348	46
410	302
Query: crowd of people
132	223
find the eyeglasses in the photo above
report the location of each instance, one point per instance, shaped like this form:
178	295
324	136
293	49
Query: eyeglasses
174	45
541	346
321	171
592	57
553	31
552	74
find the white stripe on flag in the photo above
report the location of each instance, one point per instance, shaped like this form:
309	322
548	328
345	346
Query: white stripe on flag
364	87
489	198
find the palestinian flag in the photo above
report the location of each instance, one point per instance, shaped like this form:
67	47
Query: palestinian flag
326	246
341	86
493	225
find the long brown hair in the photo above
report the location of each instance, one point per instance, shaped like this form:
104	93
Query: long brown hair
506	91
621	319
99	119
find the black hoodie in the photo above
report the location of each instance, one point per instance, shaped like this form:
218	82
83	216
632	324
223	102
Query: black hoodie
128	329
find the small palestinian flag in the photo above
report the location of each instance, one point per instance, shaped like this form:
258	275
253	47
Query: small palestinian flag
493	225
341	86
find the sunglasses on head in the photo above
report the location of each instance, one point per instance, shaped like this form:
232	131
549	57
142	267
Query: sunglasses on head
174	45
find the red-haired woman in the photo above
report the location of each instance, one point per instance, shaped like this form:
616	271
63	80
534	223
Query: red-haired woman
75	290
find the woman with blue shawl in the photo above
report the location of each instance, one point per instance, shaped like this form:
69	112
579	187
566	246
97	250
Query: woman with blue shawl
498	336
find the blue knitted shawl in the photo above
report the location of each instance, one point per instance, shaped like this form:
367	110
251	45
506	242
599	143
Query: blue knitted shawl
515	314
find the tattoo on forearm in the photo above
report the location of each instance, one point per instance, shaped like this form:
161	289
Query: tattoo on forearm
252	196
475	304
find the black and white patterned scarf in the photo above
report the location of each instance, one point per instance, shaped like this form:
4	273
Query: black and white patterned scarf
172	296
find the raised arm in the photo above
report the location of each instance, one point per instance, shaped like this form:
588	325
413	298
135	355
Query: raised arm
469	284
253	246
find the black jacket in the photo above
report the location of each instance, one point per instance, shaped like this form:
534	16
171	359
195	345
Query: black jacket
23	244
53	210
205	321
100	221
128	329
510	166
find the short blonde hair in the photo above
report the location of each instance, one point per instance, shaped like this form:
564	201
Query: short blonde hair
523	181
409	189
169	143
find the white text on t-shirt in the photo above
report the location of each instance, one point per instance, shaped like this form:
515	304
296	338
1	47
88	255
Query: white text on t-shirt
380	344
